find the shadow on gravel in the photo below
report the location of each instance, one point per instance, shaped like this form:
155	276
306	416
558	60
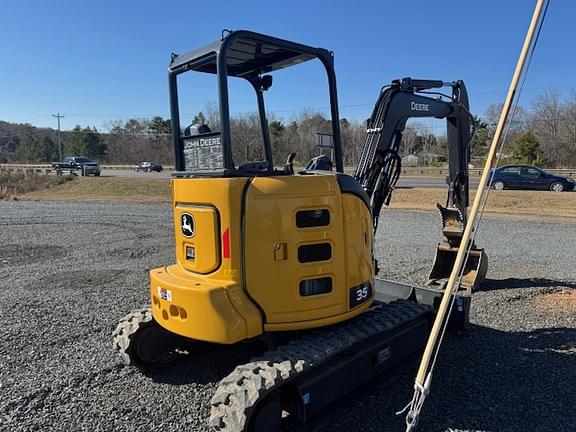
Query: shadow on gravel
21	255
485	380
500	284
206	365
84	280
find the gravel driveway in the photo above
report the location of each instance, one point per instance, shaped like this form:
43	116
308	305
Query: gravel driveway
68	272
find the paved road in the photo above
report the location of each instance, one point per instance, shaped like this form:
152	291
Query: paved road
68	272
432	182
408	181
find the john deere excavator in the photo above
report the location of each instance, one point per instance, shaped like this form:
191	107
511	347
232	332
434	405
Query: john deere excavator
263	251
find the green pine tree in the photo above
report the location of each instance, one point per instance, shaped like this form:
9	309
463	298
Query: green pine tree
85	142
29	150
526	150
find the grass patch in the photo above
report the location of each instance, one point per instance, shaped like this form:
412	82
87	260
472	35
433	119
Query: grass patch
13	184
107	189
544	204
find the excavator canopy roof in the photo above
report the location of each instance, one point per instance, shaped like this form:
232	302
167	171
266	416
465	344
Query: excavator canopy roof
247	54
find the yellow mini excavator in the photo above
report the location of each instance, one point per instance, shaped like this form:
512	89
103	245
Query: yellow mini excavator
263	251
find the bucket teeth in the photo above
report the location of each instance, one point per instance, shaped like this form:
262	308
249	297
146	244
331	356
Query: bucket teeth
453	224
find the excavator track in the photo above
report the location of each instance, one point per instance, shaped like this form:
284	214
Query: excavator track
239	394
141	342
126	330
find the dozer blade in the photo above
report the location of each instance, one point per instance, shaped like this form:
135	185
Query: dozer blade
453	222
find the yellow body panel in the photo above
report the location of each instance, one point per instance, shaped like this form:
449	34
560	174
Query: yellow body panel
271	207
358	240
205	240
217	306
251	259
224	195
202	308
303	325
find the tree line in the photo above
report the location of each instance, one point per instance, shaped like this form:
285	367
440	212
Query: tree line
544	135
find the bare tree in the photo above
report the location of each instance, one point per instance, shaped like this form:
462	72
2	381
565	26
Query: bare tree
547	121
409	144
247	143
518	122
353	136
569	129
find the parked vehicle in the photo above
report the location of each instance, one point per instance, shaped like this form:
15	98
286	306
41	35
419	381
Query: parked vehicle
75	163
148	167
529	177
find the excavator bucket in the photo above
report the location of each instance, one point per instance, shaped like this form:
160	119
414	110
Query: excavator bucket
453	222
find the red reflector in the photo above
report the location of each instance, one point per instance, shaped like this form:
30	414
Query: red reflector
226	243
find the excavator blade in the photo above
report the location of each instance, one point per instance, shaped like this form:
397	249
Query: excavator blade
453	222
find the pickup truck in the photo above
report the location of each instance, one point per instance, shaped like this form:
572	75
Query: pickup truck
75	163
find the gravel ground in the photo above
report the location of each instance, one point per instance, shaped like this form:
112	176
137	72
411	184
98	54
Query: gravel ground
68	272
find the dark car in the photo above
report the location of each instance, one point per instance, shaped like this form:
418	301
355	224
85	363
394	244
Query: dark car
529	177
148	167
84	165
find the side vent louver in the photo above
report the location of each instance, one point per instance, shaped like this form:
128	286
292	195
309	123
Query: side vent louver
312	218
316	286
315	252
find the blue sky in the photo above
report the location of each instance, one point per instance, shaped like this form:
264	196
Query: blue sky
97	61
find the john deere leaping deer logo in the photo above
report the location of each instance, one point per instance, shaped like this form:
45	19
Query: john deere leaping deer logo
187	224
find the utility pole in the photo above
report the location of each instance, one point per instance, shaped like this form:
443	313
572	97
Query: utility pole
58	116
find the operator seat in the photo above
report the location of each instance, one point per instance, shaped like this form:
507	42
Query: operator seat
319	163
197	129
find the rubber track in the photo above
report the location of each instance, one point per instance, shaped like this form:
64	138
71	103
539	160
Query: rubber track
126	328
239	392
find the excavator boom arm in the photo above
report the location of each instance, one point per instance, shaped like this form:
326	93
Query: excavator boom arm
379	163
